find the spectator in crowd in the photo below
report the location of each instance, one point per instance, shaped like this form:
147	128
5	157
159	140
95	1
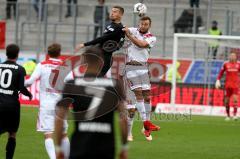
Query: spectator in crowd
36	5
69	8
30	66
194	2
98	17
184	23
213	46
11	4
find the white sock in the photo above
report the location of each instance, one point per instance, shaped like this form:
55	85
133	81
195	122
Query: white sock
65	147
130	125
49	144
141	109
148	109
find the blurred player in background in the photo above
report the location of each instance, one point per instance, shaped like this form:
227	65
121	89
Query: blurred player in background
11	82
48	99
232	69
94	102
111	40
137	72
30	66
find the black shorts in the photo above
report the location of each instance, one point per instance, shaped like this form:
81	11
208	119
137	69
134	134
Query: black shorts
107	64
9	120
91	157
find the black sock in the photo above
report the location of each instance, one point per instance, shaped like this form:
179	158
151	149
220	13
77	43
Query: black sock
10	147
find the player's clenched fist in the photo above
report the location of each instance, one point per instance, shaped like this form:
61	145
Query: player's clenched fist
217	84
126	30
78	47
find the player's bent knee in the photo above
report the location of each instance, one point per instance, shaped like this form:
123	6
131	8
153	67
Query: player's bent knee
146	99
139	95
146	96
131	112
48	135
12	134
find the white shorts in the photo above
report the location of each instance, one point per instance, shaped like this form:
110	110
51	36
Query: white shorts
138	77
46	121
131	106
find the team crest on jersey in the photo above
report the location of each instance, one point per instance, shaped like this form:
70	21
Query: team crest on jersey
109	28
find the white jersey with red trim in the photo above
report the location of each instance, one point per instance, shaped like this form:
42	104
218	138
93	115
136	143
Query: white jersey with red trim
48	96
136	53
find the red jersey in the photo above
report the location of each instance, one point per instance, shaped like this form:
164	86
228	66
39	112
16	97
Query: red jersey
232	69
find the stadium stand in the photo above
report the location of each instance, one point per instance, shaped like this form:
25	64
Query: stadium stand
28	27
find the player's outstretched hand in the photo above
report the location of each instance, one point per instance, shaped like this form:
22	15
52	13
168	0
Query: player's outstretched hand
78	47
218	84
30	96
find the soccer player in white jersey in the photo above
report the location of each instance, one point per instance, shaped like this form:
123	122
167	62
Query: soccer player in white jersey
137	72
49	96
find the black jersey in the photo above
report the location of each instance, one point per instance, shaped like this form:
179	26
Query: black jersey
93	112
11	83
112	39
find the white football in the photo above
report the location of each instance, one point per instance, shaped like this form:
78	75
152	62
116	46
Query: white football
140	8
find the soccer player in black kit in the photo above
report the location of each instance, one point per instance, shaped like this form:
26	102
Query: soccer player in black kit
11	83
94	102
112	39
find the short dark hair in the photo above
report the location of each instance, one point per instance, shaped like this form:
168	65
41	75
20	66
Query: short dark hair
12	51
146	18
214	22
54	50
120	8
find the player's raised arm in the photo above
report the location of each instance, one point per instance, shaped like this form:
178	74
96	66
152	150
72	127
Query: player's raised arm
218	83
113	31
101	39
148	41
35	75
137	42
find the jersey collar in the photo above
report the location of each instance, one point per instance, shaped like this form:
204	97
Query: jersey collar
142	33
55	59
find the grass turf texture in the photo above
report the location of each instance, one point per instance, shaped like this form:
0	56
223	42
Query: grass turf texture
198	138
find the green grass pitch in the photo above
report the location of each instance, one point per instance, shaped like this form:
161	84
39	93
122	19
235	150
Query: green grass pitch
198	138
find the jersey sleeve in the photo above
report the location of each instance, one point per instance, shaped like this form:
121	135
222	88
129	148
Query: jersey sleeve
151	41
221	71
36	75
105	37
132	30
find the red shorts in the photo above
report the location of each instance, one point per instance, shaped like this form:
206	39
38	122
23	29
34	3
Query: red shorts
231	91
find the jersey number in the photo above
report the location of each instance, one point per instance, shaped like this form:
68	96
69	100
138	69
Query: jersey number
96	101
55	77
5	78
